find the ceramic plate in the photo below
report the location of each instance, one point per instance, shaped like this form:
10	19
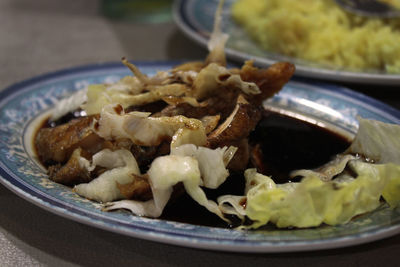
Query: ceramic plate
23	105
196	18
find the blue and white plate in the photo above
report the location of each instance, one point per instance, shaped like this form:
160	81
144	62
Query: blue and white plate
196	18
23	105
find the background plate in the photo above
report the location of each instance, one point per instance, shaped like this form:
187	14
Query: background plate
23	103
196	18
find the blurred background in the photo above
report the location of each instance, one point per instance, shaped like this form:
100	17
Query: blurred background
46	35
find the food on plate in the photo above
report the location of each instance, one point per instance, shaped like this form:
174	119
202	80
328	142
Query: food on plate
321	32
392	3
199	133
143	136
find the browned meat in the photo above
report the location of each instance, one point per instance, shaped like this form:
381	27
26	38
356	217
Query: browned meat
57	144
151	107
237	126
270	80
139	189
234	132
70	173
240	112
222	102
144	155
241	159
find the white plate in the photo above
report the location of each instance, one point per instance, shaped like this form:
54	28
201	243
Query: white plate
196	17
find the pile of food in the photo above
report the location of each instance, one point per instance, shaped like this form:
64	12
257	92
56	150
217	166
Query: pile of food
144	142
319	31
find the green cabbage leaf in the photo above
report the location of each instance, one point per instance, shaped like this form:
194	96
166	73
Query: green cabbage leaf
330	194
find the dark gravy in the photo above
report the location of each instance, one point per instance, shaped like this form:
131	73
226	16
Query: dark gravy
287	144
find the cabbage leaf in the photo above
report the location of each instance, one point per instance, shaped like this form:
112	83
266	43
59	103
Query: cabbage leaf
120	165
149	131
313	201
328	194
378	141
212	162
164	173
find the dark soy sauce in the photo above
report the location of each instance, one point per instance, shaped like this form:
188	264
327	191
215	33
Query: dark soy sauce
185	209
286	143
64	119
289	144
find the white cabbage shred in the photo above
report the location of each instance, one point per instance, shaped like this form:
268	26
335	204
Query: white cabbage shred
68	104
216	44
149	131
164	173
100	95
377	141
186	164
212	162
120	166
214	76
327	171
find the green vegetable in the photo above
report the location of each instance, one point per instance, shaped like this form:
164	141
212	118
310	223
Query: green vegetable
314	201
319	199
378	141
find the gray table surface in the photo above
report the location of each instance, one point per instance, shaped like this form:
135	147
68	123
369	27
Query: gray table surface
46	35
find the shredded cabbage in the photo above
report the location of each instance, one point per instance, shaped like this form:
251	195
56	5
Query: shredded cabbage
211	162
68	104
164	173
327	171
327	195
120	165
313	201
187	164
378	141
213	77
232	205
216	44
149	131
100	95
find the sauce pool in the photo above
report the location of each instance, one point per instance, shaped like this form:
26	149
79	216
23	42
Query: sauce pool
286	144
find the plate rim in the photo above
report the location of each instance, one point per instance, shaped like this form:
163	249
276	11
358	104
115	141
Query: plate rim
14	184
180	18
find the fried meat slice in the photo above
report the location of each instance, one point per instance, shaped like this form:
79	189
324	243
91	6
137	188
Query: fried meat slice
72	172
270	80
221	101
240	160
237	126
234	132
56	144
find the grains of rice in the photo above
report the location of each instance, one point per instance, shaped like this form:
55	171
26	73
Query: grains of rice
320	31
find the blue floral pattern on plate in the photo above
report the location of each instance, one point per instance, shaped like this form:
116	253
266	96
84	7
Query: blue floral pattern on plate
24	103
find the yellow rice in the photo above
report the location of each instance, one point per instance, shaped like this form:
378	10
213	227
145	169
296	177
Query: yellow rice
319	31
